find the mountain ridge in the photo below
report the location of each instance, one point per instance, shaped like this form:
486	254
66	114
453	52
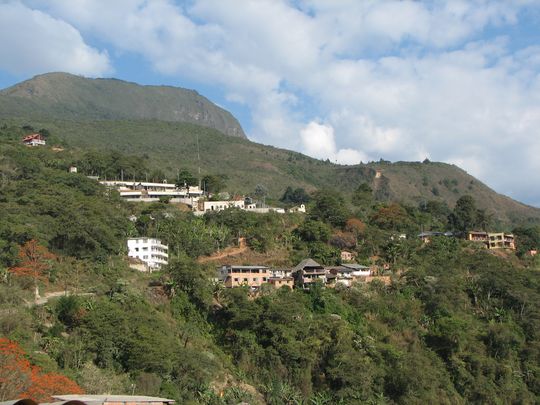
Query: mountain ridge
61	95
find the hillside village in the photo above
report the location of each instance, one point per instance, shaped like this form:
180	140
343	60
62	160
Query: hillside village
243	284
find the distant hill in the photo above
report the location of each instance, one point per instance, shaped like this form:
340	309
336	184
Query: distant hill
172	146
69	97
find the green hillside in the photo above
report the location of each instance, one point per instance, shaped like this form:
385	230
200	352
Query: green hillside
172	146
458	324
66	96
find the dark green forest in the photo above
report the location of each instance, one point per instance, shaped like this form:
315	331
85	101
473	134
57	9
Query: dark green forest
458	323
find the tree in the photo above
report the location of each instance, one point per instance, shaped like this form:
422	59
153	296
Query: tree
261	192
35	260
329	207
157	176
313	231
363	195
18	378
186	179
527	238
214	183
14	370
465	215
297	196
392	217
355	226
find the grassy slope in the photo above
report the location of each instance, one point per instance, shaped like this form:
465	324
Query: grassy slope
172	146
65	96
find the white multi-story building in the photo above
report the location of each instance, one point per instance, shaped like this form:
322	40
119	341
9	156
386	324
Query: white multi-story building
151	251
147	192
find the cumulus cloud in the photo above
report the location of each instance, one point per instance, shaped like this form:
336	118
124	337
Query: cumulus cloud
33	42
318	141
401	80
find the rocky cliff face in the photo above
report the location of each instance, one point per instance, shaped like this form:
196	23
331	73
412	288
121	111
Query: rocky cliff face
66	96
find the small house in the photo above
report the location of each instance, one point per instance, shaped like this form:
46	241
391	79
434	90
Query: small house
301	208
279	282
237	276
307	272
34	140
346	256
348	273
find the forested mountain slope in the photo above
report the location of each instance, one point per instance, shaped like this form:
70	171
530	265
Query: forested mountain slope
172	146
458	324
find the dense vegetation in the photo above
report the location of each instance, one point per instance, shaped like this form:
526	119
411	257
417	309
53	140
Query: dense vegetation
458	324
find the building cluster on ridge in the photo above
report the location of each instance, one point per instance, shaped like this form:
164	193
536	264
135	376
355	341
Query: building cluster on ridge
491	240
192	196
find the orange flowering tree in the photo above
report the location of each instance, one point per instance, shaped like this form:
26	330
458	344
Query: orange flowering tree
34	261
19	379
14	370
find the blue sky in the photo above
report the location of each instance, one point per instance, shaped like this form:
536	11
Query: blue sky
453	81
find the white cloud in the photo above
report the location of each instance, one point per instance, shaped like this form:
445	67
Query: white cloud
318	141
33	42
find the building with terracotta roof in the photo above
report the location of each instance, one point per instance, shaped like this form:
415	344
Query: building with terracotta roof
34	140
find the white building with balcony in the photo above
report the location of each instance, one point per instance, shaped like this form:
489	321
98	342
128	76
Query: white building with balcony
141	191
148	250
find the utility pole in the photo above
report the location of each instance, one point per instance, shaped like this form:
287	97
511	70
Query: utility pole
199	160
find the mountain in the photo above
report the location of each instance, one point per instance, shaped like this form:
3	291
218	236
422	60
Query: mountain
172	146
176	128
66	96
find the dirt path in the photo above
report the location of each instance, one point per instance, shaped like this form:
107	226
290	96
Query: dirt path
230	251
47	296
235	251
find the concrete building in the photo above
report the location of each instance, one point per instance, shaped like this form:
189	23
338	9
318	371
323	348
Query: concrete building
280	273
150	251
493	240
279	282
147	192
301	208
346	256
237	276
348	273
208	206
307	272
244	204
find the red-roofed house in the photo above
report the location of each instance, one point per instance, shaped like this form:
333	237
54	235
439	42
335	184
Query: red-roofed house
34	140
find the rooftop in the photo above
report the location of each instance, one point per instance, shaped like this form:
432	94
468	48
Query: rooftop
307	263
99	399
246	267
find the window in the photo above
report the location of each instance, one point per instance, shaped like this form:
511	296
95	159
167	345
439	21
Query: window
264	278
246	280
236	279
